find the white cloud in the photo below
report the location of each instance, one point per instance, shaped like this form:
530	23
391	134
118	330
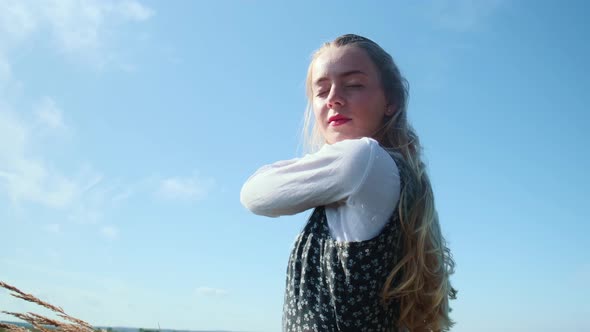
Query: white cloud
29	174
81	197
5	70
98	196
188	188
122	195
8	82
53	228
30	180
109	232
13	136
49	114
134	10
76	27
17	20
80	26
208	291
462	15
24	178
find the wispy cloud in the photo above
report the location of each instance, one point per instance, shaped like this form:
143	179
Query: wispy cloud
29	174
49	115
17	21
75	27
185	188
109	232
5	71
53	228
208	291
25	178
461	15
98	197
134	10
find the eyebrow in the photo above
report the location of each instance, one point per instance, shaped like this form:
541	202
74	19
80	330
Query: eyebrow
344	74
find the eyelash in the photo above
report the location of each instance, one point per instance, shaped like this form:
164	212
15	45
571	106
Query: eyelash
323	93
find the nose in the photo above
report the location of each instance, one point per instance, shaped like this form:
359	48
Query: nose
335	98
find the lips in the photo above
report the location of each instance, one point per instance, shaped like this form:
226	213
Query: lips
338	120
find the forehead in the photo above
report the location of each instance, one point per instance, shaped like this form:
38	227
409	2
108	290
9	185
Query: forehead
336	61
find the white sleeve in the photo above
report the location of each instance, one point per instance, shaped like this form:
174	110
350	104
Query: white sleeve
291	186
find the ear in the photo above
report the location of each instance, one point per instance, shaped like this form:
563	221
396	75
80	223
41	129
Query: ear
391	108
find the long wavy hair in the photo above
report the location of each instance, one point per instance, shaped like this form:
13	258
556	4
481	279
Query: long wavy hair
420	279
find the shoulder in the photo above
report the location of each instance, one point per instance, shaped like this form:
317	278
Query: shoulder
358	148
350	156
361	157
361	150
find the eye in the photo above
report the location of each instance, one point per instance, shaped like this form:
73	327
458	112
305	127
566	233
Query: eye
322	93
354	86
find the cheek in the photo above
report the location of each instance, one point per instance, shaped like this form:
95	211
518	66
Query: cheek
319	114
369	109
364	103
361	99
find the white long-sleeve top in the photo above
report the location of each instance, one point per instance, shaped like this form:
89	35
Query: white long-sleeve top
356	180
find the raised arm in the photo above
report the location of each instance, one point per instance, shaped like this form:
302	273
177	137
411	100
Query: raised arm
291	186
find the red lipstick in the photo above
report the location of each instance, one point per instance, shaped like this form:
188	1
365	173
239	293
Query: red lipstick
337	120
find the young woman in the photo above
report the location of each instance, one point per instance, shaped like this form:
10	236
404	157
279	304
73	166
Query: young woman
371	256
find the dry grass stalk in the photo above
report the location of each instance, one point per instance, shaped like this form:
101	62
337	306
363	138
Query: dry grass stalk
12	328
41	322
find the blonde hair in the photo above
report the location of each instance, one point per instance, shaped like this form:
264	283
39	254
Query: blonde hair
420	279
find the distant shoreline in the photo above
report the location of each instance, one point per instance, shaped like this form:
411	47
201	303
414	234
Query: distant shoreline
121	329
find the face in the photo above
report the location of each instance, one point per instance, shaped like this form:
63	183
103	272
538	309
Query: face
347	98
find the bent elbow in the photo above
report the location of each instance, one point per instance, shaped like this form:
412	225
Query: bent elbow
252	200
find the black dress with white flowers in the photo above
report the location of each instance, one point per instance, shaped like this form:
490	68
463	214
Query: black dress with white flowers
336	286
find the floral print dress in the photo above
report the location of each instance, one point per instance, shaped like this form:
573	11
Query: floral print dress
336	286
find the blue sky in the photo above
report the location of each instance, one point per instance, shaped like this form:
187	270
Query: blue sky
127	129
